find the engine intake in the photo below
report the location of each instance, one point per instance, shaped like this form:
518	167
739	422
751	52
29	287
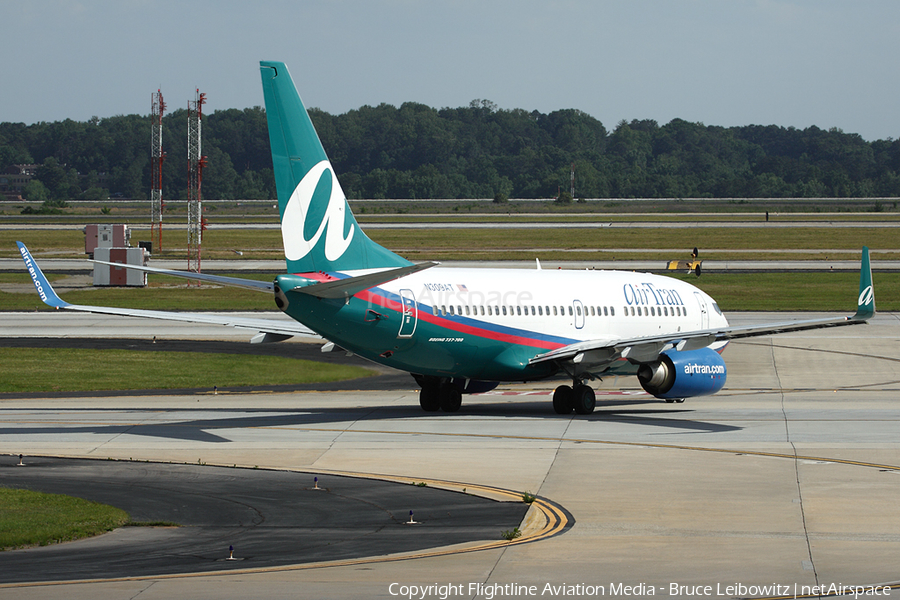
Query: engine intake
683	374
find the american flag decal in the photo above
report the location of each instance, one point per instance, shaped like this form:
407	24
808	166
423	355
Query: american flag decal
461	287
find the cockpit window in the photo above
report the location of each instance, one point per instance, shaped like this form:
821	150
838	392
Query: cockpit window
716	307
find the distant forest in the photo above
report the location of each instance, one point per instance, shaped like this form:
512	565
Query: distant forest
478	151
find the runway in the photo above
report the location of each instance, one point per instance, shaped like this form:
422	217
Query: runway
789	475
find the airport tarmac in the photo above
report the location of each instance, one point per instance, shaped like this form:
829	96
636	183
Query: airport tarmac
789	476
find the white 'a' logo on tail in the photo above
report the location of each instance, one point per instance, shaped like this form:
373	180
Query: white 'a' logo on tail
866	296
293	222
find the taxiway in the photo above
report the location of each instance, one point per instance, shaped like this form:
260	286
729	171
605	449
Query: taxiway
788	475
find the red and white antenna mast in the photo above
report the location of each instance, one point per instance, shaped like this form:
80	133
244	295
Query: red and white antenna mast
196	162
157	206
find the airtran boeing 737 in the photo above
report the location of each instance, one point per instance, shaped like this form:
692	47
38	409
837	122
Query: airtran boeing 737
464	330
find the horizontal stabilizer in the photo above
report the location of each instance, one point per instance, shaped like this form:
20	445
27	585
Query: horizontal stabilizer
249	284
344	288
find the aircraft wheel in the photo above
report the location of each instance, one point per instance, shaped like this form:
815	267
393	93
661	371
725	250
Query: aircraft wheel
429	398
679	400
562	400
584	399
451	399
670	400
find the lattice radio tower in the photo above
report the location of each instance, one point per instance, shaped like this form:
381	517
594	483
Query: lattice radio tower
572	183
157	206
196	162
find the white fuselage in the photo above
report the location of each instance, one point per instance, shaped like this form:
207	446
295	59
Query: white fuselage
564	304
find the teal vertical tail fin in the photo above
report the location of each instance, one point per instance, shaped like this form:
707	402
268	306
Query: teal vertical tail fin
318	230
865	305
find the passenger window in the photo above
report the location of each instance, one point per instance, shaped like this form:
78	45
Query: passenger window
570	311
612	311
541	311
467	310
451	309
578	310
504	311
519	310
592	311
443	311
554	311
482	311
605	312
532	311
434	310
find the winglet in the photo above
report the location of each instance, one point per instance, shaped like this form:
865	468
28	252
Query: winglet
43	287
865	308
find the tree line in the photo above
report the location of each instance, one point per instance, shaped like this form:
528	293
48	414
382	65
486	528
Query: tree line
478	151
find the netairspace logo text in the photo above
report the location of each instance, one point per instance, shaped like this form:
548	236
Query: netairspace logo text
490	591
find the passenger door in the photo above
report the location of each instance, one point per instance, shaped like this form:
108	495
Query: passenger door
579	314
409	314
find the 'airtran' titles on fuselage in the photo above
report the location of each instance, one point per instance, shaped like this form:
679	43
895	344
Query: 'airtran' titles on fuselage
647	293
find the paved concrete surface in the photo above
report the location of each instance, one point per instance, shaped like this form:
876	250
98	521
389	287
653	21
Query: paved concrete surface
271	518
788	476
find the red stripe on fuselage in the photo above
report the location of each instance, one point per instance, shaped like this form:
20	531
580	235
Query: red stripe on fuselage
384	302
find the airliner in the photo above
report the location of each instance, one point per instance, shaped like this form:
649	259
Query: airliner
461	331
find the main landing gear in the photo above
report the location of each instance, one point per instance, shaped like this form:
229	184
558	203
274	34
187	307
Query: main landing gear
439	395
580	398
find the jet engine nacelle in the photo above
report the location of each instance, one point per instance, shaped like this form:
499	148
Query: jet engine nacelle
683	374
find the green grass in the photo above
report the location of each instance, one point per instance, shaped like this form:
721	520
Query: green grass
163	293
739	238
795	291
445	243
30	518
69	369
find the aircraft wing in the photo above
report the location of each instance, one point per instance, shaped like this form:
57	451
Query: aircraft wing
269	329
598	354
250	284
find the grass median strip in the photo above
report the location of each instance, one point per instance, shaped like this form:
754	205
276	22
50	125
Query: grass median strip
433	242
86	370
30	518
779	291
